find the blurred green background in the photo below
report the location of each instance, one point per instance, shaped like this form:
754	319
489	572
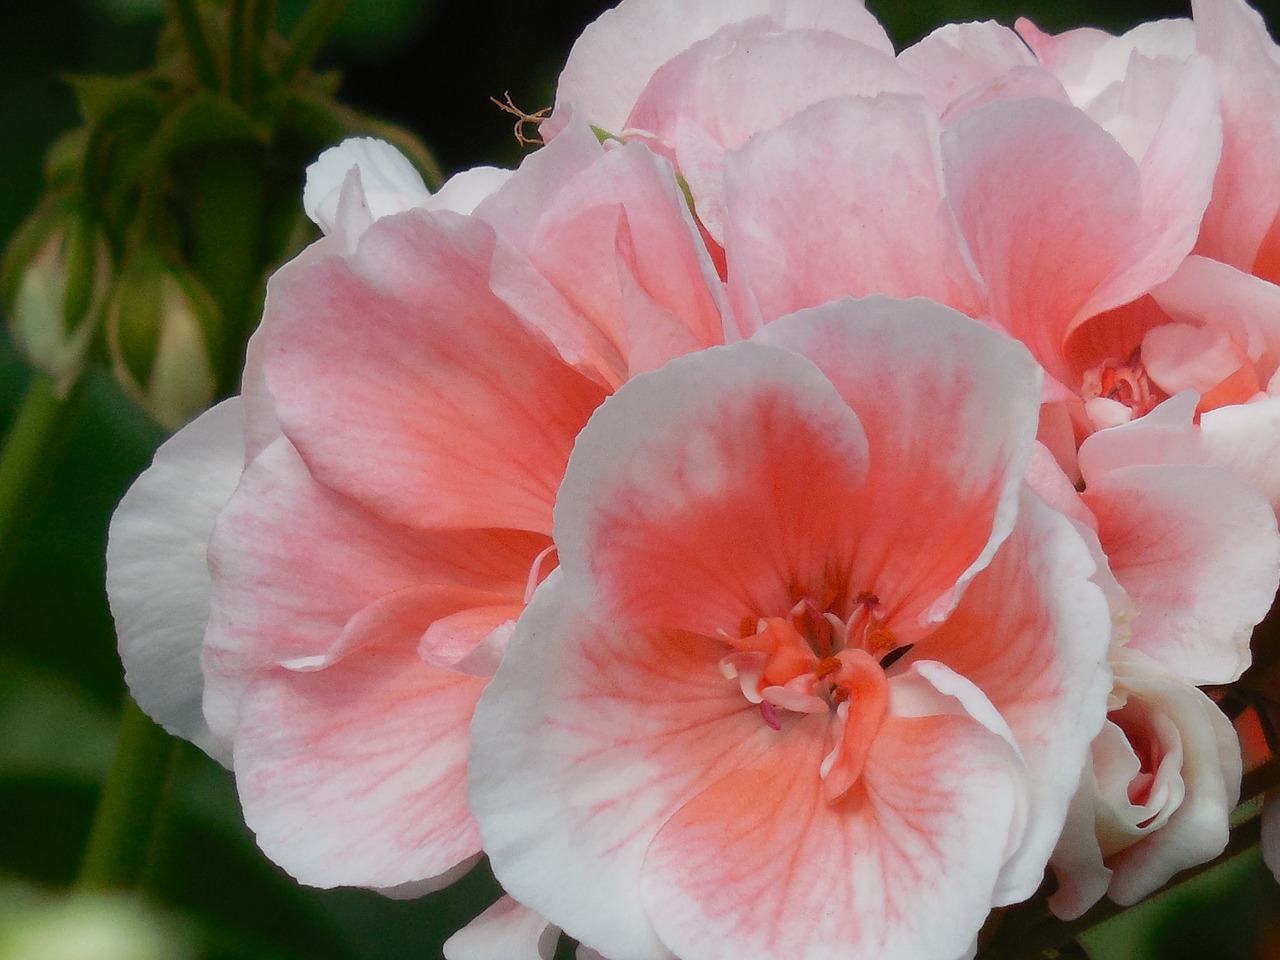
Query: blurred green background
431	65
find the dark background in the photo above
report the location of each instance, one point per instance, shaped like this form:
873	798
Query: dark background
431	65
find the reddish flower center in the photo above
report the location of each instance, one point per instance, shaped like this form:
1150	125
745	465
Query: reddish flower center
813	662
1124	382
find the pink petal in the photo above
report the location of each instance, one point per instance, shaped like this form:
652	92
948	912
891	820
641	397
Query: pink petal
1077	863
505	931
449	412
613	60
960	57
1156	797
1165	435
1177	148
585	741
1198	552
1049	205
1197	830
1206	292
470	641
294	562
598	250
1181	357
1245	439
844	199
723	435
355	773
1246	194
970	396
1032	632
1090	61
760	864
746	79
621	246
516	208
158	571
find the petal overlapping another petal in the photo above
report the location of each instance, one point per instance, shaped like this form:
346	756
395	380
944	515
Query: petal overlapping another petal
294	562
707	507
614	59
452	412
970	397
355	773
844	199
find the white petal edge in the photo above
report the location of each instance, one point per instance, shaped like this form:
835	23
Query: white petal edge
387	181
507	930
158	571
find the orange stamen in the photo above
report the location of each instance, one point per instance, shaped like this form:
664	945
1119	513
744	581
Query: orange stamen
826	667
880	641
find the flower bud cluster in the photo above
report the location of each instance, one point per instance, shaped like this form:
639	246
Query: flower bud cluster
166	208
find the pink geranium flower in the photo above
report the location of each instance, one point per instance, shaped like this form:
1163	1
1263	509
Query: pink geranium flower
814	656
377	506
1168	93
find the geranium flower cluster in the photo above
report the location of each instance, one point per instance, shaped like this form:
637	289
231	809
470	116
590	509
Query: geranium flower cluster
786	516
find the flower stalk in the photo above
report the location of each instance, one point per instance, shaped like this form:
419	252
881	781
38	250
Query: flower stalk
185	15
124	823
309	37
24	455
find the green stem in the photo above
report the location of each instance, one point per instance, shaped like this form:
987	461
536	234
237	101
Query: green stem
244	25
185	15
264	21
25	456
309	36
126	816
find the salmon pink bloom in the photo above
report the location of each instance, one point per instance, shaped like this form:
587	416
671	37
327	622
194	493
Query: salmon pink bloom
1210	325
816	672
377	506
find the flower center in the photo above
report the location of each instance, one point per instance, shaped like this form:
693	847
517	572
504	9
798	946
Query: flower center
812	661
1126	383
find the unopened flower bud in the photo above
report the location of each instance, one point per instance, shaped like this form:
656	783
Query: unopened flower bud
56	277
163	328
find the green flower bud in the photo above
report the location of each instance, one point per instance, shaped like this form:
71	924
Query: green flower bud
163	329
56	277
